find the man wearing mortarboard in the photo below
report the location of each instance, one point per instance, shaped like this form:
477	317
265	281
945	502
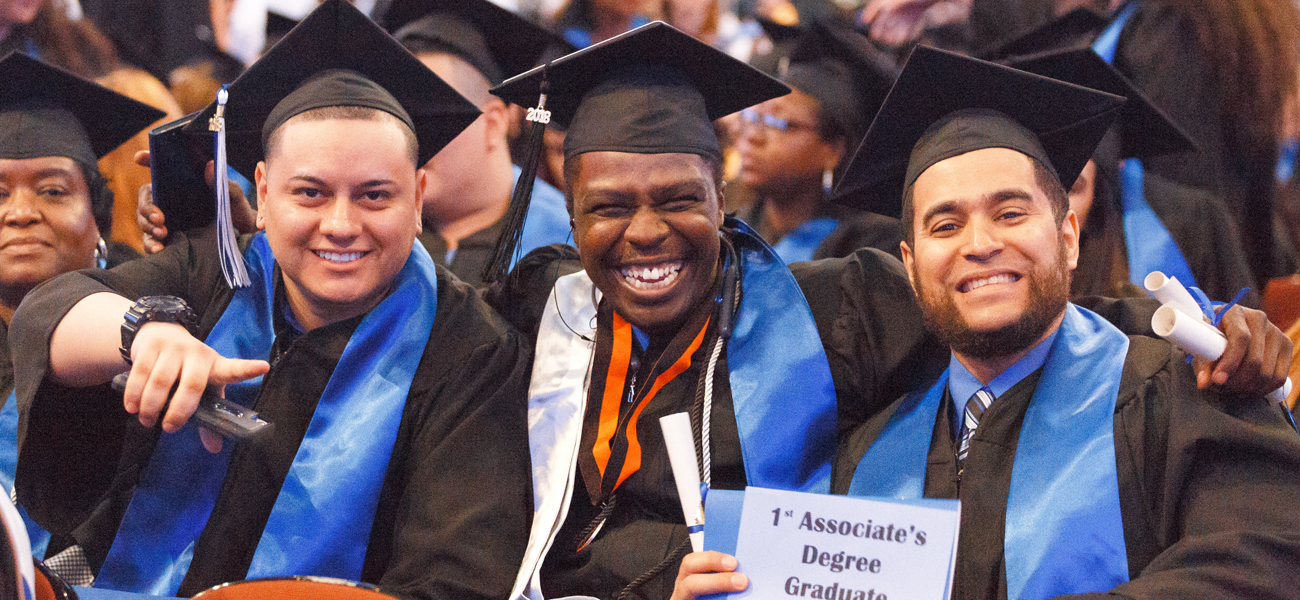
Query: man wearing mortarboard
677	310
1087	461
55	205
389	461
640	333
474	45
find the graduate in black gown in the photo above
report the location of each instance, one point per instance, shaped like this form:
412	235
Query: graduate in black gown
1048	419
389	461
54	202
677	310
1223	71
1156	508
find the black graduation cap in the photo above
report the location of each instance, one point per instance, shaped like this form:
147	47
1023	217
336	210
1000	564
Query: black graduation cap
336	56
1145	131
842	70
945	105
1076	28
346	59
494	40
651	90
46	111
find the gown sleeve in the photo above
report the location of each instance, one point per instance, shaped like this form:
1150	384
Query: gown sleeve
1210	486
72	441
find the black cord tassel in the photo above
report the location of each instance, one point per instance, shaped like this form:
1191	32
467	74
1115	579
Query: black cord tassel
508	244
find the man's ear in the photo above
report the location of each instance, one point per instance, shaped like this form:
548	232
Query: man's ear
421	182
1070	237
496	121
259	179
908	264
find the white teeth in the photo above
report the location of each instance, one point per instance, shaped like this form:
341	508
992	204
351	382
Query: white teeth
340	257
979	283
651	278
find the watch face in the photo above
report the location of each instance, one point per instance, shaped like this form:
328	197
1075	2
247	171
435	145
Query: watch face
162	303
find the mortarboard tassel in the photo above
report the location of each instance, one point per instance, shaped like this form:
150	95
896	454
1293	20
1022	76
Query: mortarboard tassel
232	261
507	245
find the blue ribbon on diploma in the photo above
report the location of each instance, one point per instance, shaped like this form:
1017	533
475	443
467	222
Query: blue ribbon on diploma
321	521
1063	480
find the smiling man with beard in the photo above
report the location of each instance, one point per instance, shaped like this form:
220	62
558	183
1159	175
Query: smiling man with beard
1086	460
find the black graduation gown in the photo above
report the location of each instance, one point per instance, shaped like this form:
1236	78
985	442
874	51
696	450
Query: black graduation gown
455	504
644	535
1160	51
1207	485
866	230
472	252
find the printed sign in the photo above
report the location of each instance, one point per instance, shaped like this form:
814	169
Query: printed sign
799	545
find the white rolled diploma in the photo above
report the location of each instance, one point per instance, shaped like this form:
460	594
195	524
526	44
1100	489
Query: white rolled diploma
681	455
1170	292
1198	338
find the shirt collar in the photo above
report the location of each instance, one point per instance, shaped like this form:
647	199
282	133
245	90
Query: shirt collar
962	384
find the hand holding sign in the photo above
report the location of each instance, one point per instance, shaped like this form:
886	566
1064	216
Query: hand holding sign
793	544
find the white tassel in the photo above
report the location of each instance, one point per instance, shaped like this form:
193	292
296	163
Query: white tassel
232	260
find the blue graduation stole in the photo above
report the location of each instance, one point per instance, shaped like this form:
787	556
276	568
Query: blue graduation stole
802	241
1064	528
1148	242
321	521
781	387
9	466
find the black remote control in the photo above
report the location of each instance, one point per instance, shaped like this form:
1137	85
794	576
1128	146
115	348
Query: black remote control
218	414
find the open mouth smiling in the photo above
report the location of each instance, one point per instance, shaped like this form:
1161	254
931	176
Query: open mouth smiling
651	277
340	258
971	285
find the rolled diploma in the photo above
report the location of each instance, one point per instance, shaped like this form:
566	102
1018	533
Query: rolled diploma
681	455
1171	293
1198	338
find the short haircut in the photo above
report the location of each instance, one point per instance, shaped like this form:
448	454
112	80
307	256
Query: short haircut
571	170
1056	194
347	113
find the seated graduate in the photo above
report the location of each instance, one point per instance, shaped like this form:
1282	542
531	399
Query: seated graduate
54	203
389	461
474	45
1133	221
793	147
1087	461
677	310
991	246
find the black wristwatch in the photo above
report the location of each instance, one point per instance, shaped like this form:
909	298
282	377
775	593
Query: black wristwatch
155	309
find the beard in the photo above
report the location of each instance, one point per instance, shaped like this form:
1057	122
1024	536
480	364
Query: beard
1049	291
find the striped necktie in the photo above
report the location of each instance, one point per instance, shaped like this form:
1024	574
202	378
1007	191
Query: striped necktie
975	408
